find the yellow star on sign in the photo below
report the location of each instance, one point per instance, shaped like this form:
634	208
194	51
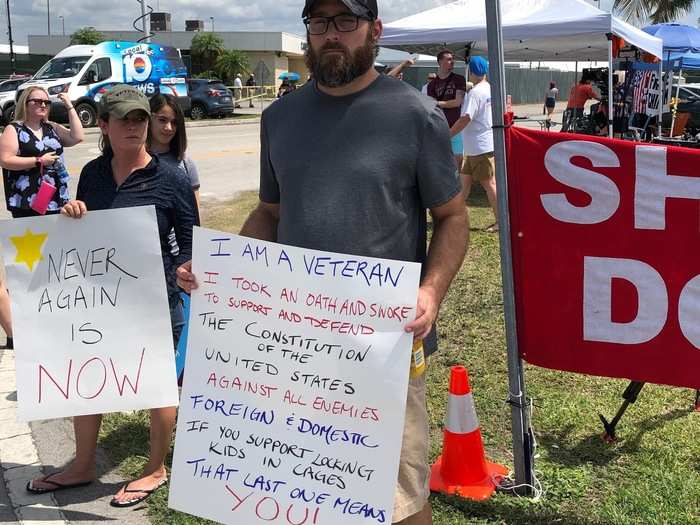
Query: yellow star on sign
29	248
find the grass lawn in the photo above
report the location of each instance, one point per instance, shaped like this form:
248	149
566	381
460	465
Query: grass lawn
650	476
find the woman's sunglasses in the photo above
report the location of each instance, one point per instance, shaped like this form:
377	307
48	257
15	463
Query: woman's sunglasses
40	102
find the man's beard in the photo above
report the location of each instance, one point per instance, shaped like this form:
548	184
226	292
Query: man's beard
339	69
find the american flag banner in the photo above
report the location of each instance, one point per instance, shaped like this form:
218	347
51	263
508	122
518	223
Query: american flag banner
644	88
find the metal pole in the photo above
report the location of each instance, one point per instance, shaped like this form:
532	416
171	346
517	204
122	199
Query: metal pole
63	25
13	63
610	85
144	25
661	96
522	449
675	109
48	16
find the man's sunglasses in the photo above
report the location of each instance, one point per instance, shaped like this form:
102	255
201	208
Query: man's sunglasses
344	23
40	102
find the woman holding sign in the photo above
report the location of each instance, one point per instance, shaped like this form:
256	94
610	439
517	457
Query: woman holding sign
31	157
127	175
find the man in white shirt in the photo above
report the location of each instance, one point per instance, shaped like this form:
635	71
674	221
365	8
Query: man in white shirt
431	77
475	124
237	89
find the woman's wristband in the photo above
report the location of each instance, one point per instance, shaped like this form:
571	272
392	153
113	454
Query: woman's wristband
71	107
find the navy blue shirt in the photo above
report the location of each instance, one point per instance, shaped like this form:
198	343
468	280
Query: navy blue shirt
158	184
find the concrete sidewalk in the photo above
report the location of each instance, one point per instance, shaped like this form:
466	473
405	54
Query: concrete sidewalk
30	450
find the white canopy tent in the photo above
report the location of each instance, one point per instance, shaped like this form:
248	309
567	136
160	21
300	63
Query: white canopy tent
555	30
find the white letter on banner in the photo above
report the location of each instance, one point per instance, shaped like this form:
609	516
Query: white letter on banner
689	311
654	185
605	197
598	273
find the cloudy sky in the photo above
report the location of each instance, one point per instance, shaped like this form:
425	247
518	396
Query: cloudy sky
30	16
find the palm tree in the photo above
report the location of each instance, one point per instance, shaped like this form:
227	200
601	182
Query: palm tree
206	48
641	12
87	36
230	63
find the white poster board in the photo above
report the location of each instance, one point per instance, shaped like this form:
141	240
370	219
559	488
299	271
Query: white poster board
90	314
295	384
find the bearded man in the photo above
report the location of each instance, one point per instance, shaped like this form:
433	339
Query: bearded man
349	163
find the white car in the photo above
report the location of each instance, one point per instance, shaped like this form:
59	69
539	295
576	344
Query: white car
7	98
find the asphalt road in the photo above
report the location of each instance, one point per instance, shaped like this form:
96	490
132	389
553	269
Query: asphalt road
226	156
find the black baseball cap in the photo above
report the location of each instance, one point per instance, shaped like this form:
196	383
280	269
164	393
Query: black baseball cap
364	8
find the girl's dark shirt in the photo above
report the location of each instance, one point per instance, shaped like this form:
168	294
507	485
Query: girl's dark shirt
168	189
21	186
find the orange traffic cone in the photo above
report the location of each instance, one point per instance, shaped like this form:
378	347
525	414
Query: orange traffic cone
462	468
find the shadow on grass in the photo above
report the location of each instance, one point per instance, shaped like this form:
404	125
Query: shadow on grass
593	450
126	438
507	509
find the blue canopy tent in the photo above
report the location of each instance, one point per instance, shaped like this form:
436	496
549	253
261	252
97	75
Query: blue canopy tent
681	49
681	43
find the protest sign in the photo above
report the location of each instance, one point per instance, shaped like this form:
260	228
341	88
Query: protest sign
643	87
295	384
89	313
605	258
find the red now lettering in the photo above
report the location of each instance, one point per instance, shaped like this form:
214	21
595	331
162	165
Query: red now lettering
64	386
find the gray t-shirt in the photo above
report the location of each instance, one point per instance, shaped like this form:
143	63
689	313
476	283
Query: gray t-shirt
185	165
355	174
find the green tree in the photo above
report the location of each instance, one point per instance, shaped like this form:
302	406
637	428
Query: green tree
230	63
87	36
642	12
206	48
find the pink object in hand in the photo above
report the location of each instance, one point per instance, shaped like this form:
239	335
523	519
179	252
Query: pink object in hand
43	197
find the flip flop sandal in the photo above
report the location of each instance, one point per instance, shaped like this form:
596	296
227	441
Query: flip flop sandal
492	229
56	485
131	502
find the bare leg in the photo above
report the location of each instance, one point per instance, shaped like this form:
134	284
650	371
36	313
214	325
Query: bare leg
83	466
5	311
490	188
154	473
458	162
424	517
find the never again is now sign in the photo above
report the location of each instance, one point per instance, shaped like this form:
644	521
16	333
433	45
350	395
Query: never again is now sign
89	314
606	260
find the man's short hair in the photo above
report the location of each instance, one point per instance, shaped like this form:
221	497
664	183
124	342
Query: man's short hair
442	54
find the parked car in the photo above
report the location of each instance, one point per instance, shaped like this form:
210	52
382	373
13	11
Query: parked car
85	73
209	98
7	98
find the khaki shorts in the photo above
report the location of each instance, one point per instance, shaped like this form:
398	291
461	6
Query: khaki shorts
479	167
413	488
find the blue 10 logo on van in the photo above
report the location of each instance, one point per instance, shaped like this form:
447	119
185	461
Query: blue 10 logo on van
137	67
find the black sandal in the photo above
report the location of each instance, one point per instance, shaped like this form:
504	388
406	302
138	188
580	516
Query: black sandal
130	503
56	485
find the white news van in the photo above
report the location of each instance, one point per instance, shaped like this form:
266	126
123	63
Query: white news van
86	72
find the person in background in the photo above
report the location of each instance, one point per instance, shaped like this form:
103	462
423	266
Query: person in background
476	126
580	93
31	153
448	88
397	72
127	175
550	98
167	138
250	84
431	77
237	89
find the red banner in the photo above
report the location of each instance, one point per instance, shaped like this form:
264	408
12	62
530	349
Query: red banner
606	256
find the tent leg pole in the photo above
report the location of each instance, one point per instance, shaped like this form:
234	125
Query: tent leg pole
610	85
661	97
674	110
522	444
